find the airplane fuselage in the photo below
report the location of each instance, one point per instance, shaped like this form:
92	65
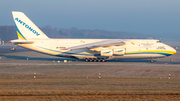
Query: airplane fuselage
132	49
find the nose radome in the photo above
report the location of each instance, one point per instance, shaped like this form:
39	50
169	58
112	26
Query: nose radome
174	51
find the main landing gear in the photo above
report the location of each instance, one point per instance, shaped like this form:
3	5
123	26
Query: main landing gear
95	60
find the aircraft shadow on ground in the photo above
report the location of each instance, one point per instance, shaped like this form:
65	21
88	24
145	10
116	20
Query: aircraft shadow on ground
21	58
144	61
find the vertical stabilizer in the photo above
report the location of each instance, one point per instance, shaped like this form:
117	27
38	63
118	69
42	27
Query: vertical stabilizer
26	29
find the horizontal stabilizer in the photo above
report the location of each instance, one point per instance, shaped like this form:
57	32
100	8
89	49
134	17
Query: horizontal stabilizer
21	42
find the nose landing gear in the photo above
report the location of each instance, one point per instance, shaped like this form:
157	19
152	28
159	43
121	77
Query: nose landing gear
152	60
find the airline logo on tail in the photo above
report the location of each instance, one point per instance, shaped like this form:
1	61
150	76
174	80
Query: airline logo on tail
27	26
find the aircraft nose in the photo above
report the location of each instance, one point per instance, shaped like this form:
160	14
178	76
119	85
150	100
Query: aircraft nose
173	50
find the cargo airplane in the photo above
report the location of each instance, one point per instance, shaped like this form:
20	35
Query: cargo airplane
96	50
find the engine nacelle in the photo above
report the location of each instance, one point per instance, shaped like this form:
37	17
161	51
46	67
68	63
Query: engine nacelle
119	51
106	52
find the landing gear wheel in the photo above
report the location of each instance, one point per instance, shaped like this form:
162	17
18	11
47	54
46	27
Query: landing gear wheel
87	60
90	60
103	60
152	60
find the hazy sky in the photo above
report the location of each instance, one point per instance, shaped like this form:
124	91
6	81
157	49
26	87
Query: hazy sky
139	16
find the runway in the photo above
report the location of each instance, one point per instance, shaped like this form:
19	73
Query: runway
21	54
136	67
82	68
42	77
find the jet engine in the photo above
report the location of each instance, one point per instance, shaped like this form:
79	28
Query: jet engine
106	52
119	51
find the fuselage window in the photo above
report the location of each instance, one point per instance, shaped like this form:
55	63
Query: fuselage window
158	41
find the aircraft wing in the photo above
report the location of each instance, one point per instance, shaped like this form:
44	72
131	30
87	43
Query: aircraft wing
105	43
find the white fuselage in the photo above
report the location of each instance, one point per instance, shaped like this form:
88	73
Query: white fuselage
132	49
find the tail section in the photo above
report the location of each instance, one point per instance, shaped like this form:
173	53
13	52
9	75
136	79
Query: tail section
26	29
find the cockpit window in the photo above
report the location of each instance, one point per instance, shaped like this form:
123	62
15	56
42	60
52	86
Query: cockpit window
158	41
